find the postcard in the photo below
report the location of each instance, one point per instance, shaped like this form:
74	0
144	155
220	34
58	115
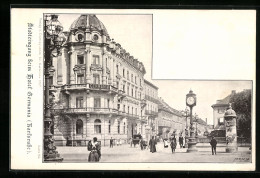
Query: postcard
128	89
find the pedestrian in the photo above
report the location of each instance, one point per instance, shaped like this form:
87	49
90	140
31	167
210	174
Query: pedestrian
111	142
181	141
173	144
165	143
131	141
152	144
213	143
95	152
142	144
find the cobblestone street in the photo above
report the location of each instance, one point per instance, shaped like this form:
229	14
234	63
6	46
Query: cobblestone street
125	153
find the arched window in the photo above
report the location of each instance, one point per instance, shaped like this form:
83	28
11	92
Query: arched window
109	126
124	127
118	127
97	126
79	127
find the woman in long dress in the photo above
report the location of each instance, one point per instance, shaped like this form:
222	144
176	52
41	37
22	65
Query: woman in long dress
95	153
152	144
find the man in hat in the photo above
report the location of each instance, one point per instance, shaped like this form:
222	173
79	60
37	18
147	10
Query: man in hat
213	143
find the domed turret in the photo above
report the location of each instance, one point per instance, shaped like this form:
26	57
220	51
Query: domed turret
89	21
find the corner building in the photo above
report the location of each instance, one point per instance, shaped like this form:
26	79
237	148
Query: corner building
97	87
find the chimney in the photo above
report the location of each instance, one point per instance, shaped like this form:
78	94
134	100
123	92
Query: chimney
233	92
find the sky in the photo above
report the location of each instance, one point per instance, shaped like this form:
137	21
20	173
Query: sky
135	33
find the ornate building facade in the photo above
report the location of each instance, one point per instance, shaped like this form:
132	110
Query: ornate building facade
97	87
151	109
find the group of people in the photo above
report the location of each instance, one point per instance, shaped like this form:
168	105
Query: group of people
118	142
95	147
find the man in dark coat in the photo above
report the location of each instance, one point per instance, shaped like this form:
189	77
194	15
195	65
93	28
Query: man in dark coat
111	143
152	144
181	141
213	143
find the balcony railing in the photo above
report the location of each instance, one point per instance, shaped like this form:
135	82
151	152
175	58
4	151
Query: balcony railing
147	97
151	113
89	110
90	86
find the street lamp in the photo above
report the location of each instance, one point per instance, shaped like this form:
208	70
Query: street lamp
53	41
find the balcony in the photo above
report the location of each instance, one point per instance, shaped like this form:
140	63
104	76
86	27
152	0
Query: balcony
88	110
151	113
88	86
121	93
96	67
147	97
143	103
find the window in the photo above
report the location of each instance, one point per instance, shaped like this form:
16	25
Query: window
141	113
95	59
135	79
221	120
95	78
95	37
117	69
135	94
79	102
127	90
51	80
80	59
108	101
124	108
80	79
109	126
131	77
123	72
140	82
79	127
128	108
106	62
127	75
124	88
96	102
118	106
135	111
124	127
97	126
80	37
132	110
132	92
117	85
118	127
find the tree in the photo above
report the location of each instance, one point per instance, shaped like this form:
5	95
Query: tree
241	104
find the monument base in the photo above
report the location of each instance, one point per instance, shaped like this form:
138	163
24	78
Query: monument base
192	145
231	149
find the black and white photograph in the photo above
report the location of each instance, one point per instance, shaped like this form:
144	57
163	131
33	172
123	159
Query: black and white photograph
104	107
90	84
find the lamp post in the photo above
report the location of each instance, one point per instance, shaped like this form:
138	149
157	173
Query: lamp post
53	41
191	102
187	128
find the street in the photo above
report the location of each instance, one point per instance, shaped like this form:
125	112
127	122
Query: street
126	153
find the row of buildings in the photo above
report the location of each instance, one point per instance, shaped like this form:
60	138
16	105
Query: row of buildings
98	90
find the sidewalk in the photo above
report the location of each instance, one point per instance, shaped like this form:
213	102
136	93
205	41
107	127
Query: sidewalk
125	153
